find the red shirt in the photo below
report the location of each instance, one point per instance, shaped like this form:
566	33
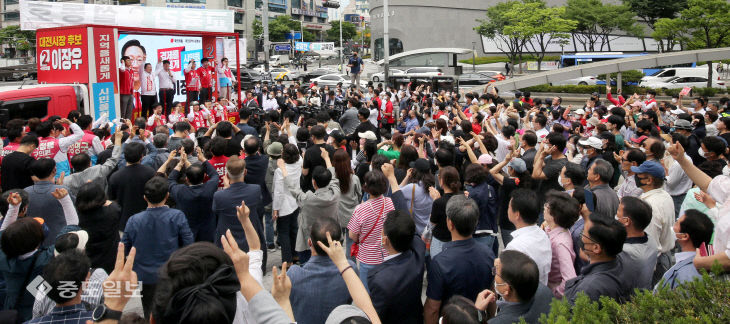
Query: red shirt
363	221
192	80
206	76
126	81
219	164
389	110
476	128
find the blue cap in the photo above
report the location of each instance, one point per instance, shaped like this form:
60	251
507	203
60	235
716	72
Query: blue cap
518	165
653	168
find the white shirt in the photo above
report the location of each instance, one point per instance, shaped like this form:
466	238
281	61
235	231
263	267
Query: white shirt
533	241
677	182
373	118
541	134
719	189
270	104
391	256
283	201
243	314
147	83
166	79
662	219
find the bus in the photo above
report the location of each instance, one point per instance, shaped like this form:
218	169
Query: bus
592	57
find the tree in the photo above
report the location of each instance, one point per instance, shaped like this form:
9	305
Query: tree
363	36
651	11
597	21
348	32
281	26
258	28
501	27
670	33
545	25
704	23
21	40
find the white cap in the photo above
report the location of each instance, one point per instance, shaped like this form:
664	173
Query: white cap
592	141
368	135
580	111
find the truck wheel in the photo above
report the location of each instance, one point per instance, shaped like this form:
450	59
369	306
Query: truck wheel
582	83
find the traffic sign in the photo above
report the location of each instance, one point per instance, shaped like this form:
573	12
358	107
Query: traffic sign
296	35
282	48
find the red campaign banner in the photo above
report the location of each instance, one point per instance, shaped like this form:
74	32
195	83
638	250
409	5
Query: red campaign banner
62	55
105	56
171	54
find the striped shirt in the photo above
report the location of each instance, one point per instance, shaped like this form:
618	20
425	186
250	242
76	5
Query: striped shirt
363	221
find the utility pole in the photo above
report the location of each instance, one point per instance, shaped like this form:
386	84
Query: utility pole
265	22
473	56
342	58
386	43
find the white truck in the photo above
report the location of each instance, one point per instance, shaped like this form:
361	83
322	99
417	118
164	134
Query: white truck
279	60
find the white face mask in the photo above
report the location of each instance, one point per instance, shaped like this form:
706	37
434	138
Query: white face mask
674	100
702	153
560	181
571	146
642	149
726	171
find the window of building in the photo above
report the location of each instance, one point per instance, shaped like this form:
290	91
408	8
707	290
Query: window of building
396	46
308	18
238	18
131	2
10	16
11	2
185	1
426	59
235	3
322	20
294	3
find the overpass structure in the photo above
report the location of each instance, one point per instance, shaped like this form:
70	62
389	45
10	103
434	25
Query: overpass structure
612	66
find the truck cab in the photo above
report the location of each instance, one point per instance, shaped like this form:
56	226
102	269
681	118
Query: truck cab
41	101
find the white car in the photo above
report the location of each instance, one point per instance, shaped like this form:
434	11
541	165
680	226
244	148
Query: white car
380	76
681	82
333	79
283	74
424	72
586	80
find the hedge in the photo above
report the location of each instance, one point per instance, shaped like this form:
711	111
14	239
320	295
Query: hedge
627	89
504	59
626	76
700	301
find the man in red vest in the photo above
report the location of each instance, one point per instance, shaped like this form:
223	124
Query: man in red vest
126	87
207	82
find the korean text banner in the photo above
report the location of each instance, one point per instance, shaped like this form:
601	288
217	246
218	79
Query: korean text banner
315	47
39	14
63	55
154	49
103	95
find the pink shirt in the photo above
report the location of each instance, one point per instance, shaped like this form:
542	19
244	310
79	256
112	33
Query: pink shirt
561	268
363	220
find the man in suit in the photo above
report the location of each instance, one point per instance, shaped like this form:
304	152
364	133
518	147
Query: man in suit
518	282
395	285
691	229
225	202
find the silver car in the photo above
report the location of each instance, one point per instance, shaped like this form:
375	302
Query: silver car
333	79
380	76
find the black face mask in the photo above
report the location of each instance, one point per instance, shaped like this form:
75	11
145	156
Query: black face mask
638	181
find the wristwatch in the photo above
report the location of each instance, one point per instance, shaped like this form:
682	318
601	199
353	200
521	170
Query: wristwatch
102	312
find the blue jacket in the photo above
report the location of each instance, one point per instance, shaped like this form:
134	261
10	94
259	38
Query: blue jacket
196	202
598	279
317	288
396	285
486	198
681	272
156	233
224	210
42	204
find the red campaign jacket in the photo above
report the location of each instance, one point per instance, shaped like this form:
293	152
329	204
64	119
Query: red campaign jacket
206	76
126	81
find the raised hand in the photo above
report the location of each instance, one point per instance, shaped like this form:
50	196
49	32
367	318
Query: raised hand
122	278
59	193
434	193
334	250
242	212
281	286
239	258
14	199
387	169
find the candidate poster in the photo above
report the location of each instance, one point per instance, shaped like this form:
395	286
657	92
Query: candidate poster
153	49
62	55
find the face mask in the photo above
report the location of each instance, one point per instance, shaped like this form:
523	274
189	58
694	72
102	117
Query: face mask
637	180
642	149
571	146
584	151
560	181
674	101
271	96
702	153
499	294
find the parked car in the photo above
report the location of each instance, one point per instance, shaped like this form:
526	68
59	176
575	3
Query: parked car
249	77
333	79
475	78
669	73
380	76
586	80
307	76
424	72
283	74
681	82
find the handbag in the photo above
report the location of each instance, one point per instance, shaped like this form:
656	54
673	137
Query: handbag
355	248
12	315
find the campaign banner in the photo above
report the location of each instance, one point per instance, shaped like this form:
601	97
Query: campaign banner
62	55
105	56
40	14
229	50
195	55
102	94
307	46
153	49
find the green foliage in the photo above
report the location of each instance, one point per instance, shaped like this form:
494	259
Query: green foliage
282	25
504	59
258	28
542	26
626	76
500	26
348	32
650	11
699	301
22	40
597	20
669	31
707	22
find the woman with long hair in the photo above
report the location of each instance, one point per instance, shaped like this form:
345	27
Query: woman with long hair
450	181
408	155
415	187
350	189
100	218
284	206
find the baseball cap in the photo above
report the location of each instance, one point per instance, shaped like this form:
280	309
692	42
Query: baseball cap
274	149
653	168
594	121
485	159
682	124
337	136
343	312
595	94
194	103
518	165
420	165
368	135
579	111
639	139
592	141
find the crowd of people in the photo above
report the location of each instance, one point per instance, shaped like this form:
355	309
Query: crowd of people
497	206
